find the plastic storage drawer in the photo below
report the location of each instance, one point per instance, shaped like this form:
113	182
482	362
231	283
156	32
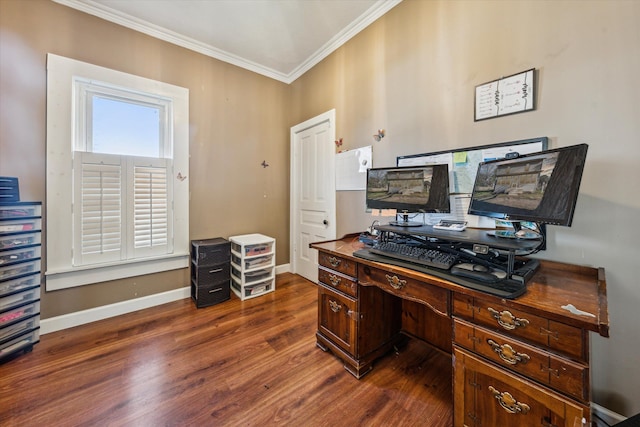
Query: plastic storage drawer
15	240
251	276
19	313
210	251
212	294
16	255
19	328
19	269
19	298
206	276
20	210
254	289
16	225
251	263
21	283
23	342
253	250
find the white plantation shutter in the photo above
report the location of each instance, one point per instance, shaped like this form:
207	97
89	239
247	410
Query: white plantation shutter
98	208
122	208
151	208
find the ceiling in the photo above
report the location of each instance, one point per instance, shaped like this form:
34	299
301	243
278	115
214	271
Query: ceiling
280	39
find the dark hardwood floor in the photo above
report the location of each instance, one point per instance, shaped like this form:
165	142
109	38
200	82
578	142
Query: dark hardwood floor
251	363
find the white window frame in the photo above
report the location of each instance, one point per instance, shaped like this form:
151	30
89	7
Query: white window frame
64	147
84	91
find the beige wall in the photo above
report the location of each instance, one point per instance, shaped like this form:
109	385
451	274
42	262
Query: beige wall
413	72
237	120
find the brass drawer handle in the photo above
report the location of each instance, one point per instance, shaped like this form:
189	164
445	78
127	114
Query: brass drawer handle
508	354
334	261
507	320
508	403
335	307
396	282
335	280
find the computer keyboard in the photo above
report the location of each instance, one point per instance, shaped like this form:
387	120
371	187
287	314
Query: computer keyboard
415	254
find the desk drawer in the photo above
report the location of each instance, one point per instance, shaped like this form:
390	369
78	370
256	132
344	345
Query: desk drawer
435	297
563	375
343	265
497	398
512	322
338	281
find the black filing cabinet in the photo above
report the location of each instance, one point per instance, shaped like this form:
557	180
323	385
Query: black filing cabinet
210	271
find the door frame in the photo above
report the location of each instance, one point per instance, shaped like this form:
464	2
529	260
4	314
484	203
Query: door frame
330	117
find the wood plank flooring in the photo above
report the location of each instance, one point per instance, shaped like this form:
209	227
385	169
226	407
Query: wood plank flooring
251	363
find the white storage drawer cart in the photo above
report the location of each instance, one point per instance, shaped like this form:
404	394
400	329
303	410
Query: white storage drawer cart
253	265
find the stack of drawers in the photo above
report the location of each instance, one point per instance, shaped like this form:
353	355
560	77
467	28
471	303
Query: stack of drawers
20	228
253	262
529	369
210	271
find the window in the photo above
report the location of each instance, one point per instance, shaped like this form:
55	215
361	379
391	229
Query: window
126	139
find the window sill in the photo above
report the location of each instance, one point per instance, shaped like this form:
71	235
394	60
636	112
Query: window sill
57	280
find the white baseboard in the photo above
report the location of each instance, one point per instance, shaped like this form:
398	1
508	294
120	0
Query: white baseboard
284	268
607	415
78	318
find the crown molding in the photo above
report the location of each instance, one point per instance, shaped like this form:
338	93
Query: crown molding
371	15
96	9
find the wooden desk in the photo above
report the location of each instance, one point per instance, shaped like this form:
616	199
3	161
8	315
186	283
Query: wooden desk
521	362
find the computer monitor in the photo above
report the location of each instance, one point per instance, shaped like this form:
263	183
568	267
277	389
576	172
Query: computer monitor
412	189
538	187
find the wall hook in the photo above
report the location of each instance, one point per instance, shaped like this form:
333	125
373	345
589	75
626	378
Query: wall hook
264	164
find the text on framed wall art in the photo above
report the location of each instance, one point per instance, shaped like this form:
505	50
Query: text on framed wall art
507	95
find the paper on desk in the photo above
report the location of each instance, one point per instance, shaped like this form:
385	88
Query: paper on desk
573	310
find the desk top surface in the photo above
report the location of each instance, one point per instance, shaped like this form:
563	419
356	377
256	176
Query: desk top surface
554	286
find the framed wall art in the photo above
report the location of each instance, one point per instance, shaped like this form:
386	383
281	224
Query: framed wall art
507	95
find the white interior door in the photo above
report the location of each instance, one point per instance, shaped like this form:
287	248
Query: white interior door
313	191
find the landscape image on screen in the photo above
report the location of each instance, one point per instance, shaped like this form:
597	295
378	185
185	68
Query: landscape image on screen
517	184
412	188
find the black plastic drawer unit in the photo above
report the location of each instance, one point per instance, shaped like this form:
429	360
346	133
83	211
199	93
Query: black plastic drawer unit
210	271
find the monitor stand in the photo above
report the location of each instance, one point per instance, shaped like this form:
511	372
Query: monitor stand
517	233
405	222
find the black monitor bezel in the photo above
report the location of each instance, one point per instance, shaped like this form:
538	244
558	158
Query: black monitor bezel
510	215
371	203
